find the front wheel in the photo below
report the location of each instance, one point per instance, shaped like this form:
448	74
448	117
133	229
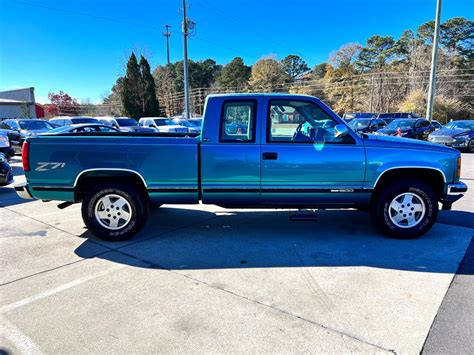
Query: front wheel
406	209
114	212
470	146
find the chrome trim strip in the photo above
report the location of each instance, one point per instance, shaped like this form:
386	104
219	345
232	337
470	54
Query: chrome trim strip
109	169
409	167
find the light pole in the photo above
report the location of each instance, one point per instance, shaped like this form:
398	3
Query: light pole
185	62
167	34
434	61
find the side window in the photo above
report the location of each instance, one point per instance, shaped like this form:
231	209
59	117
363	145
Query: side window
423	124
238	122
301	122
105	129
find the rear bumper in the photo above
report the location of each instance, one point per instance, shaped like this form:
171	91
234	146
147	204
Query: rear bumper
22	191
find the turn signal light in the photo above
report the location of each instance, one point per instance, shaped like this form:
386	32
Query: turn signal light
459	167
25	156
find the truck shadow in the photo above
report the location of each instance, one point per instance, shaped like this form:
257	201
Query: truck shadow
269	239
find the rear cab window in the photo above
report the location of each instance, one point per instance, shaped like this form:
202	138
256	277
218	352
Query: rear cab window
238	121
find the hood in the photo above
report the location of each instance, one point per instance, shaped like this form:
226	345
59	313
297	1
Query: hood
137	129
448	132
35	131
404	143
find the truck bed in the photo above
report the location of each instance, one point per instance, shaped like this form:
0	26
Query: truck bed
166	163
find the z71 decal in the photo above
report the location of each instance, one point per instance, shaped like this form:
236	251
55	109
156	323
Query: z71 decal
50	166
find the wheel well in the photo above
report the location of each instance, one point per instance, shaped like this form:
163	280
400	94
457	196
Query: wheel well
433	178
91	179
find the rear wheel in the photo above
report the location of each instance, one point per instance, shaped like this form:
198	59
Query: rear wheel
115	212
406	209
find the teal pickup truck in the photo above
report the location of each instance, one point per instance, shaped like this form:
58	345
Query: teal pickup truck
255	151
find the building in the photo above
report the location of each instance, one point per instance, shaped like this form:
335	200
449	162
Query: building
17	103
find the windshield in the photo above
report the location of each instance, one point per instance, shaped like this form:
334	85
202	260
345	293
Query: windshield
34	125
83	120
126	122
164	122
401	124
461	125
359	124
60	129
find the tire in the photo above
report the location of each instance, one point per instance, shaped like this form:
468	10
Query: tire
131	211
416	200
470	146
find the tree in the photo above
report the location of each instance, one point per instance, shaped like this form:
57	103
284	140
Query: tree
131	89
63	104
149	103
320	70
235	75
377	53
25	112
425	32
113	100
294	66
457	36
165	87
268	76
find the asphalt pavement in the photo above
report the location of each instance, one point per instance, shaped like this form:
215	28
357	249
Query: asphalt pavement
206	279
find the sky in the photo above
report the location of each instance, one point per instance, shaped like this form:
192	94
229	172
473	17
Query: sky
81	46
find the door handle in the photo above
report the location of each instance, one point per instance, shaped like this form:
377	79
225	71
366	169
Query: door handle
270	156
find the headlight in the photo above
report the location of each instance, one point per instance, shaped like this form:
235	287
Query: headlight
4	141
462	136
404	133
2	158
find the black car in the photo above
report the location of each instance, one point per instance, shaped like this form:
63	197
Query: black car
367	125
6	173
456	134
81	128
15	137
417	128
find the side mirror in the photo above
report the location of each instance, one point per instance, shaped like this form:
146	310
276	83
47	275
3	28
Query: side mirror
340	131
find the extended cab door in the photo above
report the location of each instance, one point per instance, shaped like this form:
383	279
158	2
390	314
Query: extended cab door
230	151
302	161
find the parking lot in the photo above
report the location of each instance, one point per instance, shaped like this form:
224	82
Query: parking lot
205	279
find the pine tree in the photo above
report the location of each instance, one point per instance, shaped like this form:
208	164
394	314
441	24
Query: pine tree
132	88
149	102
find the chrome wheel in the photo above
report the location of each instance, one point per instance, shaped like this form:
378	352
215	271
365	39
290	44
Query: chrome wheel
407	210
113	212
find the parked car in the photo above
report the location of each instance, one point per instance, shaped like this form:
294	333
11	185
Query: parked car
418	128
67	121
162	124
28	127
124	124
456	134
6	173
14	137
366	125
436	125
81	128
391	116
349	116
192	127
5	146
399	181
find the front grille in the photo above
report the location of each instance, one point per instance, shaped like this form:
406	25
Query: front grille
441	139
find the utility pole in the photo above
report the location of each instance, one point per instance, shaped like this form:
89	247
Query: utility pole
185	62
434	61
167	34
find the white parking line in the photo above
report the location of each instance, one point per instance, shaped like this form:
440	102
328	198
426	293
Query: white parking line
48	293
13	335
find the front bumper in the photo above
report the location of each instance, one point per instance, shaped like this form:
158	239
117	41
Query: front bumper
22	191
454	193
